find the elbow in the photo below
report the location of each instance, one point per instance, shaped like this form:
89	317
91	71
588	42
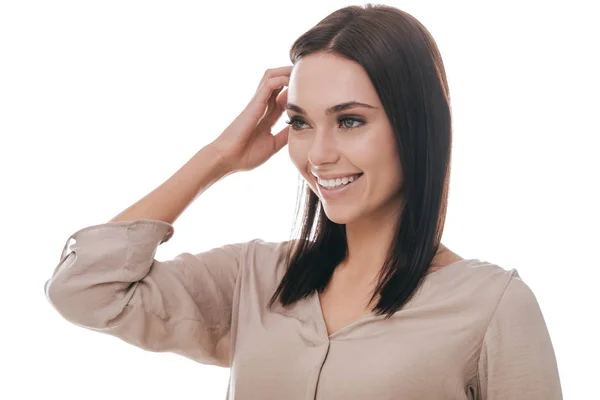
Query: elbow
92	285
89	307
68	305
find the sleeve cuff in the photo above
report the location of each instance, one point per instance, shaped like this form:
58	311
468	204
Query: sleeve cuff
140	230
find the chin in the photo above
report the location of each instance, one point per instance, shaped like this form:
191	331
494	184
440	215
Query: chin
340	214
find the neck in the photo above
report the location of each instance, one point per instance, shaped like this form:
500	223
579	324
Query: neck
368	241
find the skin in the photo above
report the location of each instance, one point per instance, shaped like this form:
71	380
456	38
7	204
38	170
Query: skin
318	144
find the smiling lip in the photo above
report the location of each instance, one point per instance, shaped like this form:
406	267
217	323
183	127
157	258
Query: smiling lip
327	177
331	194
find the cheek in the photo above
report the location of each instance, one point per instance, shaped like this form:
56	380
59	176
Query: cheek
390	174
383	163
296	153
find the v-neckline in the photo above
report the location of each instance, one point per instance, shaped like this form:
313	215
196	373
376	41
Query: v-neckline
321	316
323	324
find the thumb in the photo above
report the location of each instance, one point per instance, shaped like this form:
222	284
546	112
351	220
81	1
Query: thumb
281	138
282	99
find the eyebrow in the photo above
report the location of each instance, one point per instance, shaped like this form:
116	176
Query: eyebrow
330	110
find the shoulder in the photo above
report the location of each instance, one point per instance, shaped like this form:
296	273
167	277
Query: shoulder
503	287
501	296
480	288
473	279
266	259
517	304
261	251
517	354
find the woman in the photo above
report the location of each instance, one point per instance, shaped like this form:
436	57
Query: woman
366	303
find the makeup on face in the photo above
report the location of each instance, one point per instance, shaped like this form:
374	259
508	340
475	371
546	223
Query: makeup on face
333	188
340	138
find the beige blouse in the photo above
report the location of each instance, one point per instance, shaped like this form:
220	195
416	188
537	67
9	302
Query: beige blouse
473	330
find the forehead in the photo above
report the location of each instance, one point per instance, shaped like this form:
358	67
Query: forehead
321	80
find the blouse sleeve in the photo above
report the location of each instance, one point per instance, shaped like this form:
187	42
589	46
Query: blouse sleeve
517	359
111	283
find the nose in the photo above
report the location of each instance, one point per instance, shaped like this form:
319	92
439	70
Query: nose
323	149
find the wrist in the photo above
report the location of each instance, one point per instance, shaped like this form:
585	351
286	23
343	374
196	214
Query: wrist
223	162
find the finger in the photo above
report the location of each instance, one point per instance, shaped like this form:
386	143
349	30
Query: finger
271	84
271	104
259	102
274	72
274	111
276	103
254	114
281	138
282	99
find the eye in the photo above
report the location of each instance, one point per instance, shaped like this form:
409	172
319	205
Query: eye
345	126
292	121
344	122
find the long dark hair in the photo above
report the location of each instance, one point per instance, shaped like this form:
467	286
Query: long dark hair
405	67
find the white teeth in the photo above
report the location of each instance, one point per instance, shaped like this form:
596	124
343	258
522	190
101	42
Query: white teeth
335	183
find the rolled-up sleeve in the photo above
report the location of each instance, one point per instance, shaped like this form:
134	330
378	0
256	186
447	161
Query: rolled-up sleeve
517	359
110	282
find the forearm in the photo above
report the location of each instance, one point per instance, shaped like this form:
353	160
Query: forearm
168	201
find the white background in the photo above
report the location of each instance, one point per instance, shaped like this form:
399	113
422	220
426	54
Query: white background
100	102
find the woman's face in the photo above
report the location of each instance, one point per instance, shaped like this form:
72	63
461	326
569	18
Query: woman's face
340	142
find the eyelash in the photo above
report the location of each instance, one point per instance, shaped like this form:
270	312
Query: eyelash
295	119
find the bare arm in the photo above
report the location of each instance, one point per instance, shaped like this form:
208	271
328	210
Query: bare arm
110	281
246	143
168	201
